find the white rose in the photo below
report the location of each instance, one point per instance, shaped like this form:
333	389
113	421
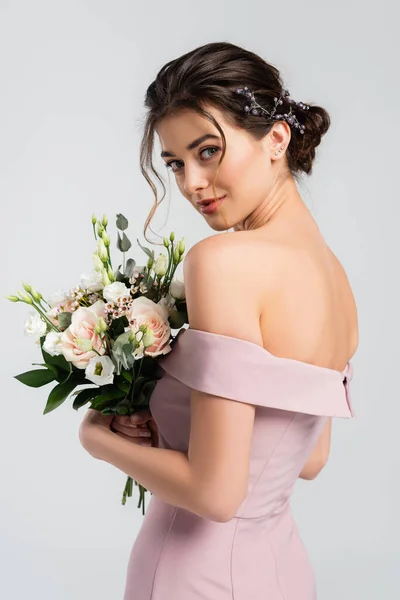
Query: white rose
116	290
92	282
146	312
177	288
52	343
100	370
35	326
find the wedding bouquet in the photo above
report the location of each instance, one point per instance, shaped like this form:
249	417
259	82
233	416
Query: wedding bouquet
109	331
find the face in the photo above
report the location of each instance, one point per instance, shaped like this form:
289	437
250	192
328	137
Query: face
191	148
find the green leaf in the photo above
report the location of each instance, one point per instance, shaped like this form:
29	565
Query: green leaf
117	326
59	394
109	411
146	250
148	389
84	396
57	361
113	394
177	319
127	375
122	409
59	374
122	383
36	378
64	320
51	368
122	222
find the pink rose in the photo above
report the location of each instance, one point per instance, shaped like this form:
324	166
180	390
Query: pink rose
146	312
79	341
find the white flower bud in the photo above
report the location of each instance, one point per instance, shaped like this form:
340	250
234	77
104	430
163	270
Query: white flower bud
105	279
105	238
148	338
25	298
98	264
102	250
160	268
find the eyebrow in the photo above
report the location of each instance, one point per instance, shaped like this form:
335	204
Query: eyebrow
193	144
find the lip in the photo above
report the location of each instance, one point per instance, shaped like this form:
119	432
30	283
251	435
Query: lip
209	206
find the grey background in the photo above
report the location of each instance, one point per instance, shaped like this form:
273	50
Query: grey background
73	76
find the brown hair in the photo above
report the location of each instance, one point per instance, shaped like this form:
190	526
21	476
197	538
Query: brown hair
208	75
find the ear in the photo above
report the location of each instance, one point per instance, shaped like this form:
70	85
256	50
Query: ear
279	135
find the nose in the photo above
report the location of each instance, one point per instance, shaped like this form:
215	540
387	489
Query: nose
195	180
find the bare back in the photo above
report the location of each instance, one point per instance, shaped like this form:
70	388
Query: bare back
309	311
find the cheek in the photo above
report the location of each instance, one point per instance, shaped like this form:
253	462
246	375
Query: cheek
245	171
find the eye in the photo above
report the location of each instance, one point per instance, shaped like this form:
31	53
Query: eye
177	168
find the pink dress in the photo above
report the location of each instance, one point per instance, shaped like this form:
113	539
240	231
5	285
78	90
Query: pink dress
259	554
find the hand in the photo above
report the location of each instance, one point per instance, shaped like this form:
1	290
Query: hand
140	428
94	427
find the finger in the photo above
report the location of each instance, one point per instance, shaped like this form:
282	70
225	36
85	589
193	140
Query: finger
132	431
140	441
123	420
140	417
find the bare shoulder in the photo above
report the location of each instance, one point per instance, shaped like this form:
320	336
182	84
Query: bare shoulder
290	296
222	294
310	312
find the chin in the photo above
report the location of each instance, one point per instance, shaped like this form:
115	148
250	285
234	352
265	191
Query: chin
219	226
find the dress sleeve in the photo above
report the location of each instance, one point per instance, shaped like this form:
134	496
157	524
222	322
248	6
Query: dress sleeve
243	371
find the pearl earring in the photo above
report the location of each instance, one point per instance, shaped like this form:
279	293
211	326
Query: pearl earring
281	148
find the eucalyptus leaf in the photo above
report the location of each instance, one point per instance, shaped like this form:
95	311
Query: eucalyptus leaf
123	243
120	276
122	222
130	267
146	250
64	320
36	378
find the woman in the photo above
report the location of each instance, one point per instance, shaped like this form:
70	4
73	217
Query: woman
248	392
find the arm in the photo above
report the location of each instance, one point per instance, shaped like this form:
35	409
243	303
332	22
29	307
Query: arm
166	473
211	479
319	455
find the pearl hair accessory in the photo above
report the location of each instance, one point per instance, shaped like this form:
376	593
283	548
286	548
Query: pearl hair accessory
255	109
